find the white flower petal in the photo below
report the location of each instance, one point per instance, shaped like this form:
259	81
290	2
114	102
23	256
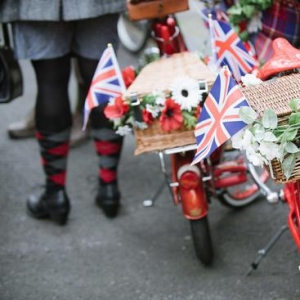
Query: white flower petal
250	79
124	130
185	92
255	24
255	158
269	150
153	110
140	125
160	97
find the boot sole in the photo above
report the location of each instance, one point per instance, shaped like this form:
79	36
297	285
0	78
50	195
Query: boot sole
23	135
59	218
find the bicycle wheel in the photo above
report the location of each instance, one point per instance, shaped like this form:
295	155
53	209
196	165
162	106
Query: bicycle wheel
133	35
202	240
246	193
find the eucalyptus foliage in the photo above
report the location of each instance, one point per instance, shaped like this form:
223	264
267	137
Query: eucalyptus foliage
278	135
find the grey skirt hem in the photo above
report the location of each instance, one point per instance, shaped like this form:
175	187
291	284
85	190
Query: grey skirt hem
88	38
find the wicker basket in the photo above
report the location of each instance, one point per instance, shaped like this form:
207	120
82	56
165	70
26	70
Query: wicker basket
155	139
160	75
276	94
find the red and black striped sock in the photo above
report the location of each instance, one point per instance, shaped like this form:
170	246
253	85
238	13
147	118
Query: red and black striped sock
54	148
108	146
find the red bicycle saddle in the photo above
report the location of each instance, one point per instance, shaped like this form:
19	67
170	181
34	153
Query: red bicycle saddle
285	57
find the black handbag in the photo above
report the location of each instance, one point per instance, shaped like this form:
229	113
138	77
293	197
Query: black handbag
11	79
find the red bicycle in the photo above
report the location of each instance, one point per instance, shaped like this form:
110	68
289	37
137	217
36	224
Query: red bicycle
225	175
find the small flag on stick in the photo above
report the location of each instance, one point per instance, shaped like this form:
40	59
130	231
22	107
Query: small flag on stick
107	83
230	50
219	119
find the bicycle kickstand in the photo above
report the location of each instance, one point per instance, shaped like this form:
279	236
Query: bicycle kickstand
150	202
263	252
166	181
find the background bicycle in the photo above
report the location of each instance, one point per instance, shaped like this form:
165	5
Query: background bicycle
135	36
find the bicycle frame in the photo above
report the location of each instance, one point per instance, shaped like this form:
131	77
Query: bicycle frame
291	193
190	186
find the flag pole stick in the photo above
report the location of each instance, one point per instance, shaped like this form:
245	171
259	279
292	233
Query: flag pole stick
118	70
212	42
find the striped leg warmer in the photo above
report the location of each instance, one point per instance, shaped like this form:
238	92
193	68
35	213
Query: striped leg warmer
54	148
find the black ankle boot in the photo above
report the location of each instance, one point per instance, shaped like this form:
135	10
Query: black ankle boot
108	198
50	205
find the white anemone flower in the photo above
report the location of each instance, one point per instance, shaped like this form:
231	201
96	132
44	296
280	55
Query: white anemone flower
124	130
251	79
154	111
242	139
255	24
140	125
269	150
254	157
160	97
185	92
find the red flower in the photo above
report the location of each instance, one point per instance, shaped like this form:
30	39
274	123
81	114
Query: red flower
147	117
243	26
128	75
116	110
198	111
171	117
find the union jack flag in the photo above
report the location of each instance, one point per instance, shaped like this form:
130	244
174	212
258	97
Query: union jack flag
219	119
107	83
231	51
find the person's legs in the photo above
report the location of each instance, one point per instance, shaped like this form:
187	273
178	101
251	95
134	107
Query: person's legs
108	146
25	128
53	125
78	136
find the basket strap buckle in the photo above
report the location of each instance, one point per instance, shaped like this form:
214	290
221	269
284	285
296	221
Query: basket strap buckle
135	102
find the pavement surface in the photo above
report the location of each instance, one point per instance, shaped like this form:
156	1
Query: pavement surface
145	253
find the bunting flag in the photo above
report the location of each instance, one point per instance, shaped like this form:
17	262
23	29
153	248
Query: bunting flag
219	119
230	50
107	83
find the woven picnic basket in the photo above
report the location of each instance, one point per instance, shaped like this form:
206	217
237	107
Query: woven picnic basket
276	94
160	75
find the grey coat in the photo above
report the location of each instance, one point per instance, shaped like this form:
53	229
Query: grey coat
57	10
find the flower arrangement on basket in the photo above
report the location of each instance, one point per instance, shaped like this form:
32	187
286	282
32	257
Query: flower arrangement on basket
268	139
179	107
246	15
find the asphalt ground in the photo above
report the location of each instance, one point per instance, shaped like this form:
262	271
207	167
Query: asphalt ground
145	253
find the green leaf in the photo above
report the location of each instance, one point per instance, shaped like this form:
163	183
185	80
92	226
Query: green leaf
294	118
294	104
281	152
249	11
288	165
291	148
244	36
248	114
258	132
269	119
289	135
235	10
270	137
265	4
188	120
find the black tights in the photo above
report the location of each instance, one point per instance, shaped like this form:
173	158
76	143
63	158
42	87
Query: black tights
53	112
